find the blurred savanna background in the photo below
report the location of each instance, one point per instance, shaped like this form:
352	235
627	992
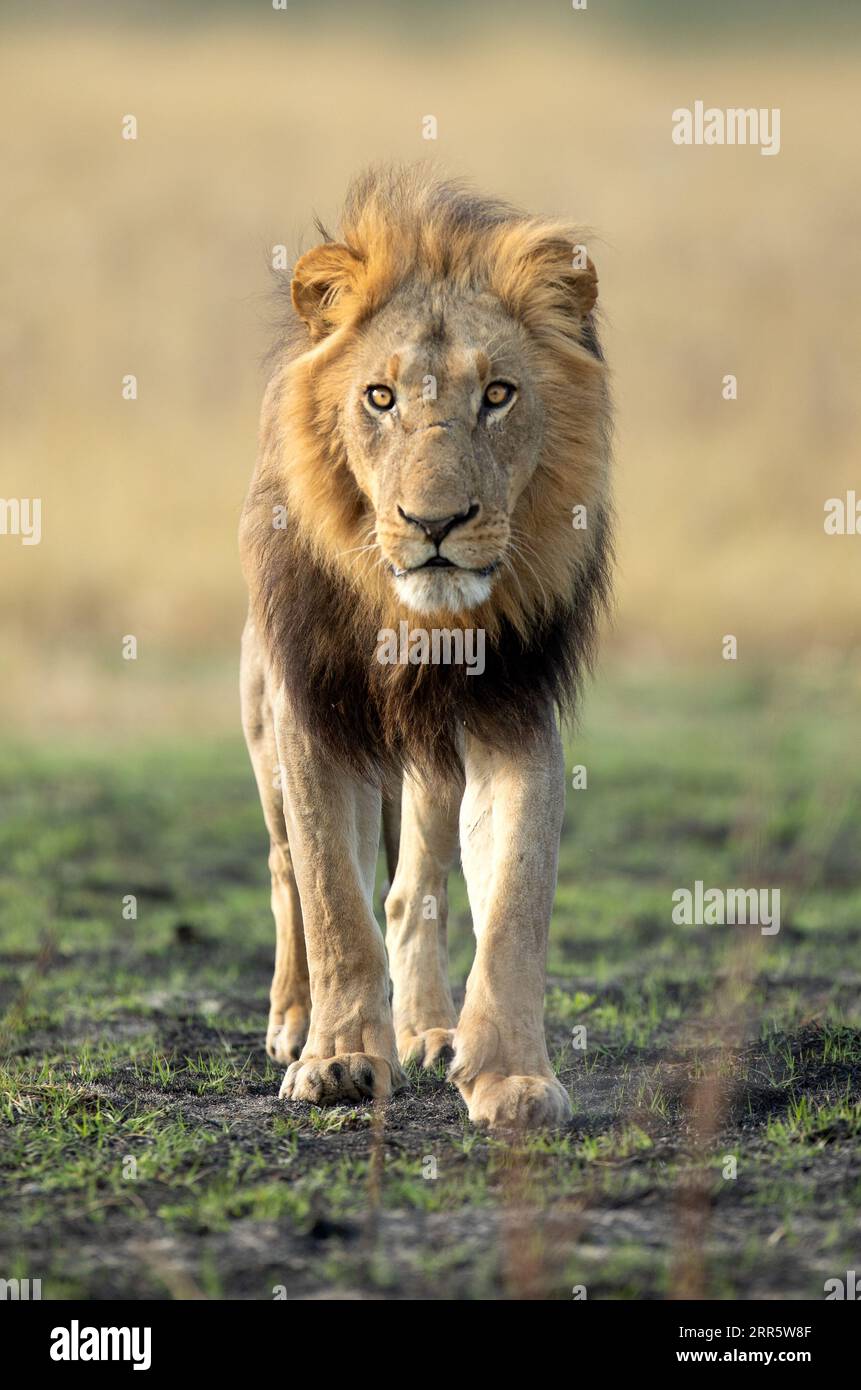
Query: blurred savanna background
151	257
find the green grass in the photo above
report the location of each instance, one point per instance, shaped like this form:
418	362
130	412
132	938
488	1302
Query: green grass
144	1150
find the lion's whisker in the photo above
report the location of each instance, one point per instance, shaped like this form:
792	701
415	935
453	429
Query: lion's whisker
358	549
519	553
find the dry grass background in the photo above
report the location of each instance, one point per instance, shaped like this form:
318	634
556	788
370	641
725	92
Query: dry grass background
151	258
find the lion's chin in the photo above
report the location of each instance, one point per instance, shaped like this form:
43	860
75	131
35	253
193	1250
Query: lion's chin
443	591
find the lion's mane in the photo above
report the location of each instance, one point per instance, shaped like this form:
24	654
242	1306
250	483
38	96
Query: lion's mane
318	610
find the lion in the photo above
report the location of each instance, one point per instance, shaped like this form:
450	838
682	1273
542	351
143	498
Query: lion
434	449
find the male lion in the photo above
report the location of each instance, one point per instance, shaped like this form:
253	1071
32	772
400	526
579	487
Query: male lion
438	411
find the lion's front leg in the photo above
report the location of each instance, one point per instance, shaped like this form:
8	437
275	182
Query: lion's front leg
289	996
333	826
510	823
416	914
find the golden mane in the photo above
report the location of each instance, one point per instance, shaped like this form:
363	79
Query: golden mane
401	225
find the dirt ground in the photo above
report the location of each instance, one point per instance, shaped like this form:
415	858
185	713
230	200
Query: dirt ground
715	1072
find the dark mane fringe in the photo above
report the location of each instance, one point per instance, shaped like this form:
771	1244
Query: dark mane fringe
378	719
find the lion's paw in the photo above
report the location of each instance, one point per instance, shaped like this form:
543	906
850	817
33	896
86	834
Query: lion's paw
516	1102
349	1077
286	1034
428	1047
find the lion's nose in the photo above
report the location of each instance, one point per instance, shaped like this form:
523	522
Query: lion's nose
437	528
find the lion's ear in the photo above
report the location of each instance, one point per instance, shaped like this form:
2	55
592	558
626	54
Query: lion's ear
571	272
543	275
584	287
320	278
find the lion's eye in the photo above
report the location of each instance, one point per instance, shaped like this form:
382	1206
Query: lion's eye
380	397
498	393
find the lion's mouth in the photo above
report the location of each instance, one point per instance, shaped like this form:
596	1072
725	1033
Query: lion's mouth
440	562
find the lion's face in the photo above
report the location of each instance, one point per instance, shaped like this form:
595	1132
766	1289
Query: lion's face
441	410
443	429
